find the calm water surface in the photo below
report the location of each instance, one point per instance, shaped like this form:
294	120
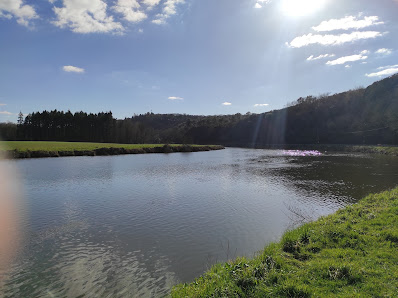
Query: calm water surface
135	225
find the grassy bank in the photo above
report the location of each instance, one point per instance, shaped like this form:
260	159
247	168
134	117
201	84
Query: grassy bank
375	149
352	253
387	150
380	149
27	149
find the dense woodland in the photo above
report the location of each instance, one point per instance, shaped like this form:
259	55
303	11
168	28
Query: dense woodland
361	116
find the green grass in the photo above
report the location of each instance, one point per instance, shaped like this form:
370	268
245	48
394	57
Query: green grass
371	149
386	150
67	146
26	149
352	253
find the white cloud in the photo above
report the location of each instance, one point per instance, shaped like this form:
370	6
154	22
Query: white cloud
385	72
261	105
349	22
5	113
310	39
15	8
140	30
70	68
175	98
169	9
151	3
5	15
389	66
348	66
352	58
311	58
259	2
226	103
159	21
86	16
384	51
130	9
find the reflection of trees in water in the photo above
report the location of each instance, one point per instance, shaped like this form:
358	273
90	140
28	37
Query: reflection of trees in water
70	169
340	177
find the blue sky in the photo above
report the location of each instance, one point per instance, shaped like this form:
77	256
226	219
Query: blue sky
188	56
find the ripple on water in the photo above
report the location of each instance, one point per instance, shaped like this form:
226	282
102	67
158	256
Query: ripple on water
84	268
133	226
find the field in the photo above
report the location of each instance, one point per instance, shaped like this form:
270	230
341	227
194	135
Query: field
352	253
67	146
27	149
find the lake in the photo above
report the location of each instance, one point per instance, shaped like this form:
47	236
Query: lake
135	225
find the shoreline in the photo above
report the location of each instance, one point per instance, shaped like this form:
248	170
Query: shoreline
378	149
343	254
106	151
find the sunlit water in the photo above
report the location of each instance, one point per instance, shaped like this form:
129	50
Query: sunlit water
135	225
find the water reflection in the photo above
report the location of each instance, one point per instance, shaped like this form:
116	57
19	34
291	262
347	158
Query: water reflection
68	260
135	225
66	170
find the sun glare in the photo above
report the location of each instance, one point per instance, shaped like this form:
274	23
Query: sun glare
297	8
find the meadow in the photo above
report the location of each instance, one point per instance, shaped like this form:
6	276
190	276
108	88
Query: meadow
66	146
27	149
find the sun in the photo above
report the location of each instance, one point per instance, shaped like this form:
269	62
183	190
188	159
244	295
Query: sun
298	8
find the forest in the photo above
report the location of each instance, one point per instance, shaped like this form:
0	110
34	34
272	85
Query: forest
360	116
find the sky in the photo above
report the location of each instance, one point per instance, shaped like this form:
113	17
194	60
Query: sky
201	57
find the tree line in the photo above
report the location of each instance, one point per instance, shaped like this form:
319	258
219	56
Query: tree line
360	116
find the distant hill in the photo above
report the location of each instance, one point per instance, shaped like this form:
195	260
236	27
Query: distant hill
360	116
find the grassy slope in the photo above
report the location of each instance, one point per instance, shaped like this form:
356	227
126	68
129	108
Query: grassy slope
367	149
385	150
67	146
392	150
352	253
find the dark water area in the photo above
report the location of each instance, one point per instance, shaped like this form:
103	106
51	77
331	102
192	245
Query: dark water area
135	225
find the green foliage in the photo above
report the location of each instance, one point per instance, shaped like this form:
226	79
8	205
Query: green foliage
8	131
351	253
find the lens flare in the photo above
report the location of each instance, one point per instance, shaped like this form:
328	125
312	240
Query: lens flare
10	197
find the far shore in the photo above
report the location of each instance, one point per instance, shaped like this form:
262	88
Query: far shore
33	149
40	149
379	149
